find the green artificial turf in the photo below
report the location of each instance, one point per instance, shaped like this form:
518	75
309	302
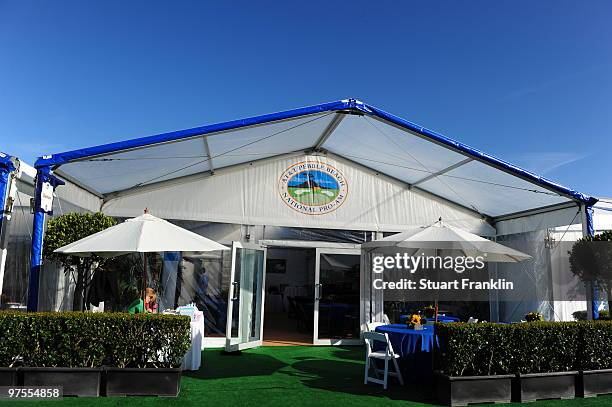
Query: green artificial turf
288	376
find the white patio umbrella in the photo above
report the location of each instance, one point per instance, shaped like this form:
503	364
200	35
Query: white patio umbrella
143	234
441	236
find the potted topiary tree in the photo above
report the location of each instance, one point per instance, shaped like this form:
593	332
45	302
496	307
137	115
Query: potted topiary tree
591	260
77	379
69	228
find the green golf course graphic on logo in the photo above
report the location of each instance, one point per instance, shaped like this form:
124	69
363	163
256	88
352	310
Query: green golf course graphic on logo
313	187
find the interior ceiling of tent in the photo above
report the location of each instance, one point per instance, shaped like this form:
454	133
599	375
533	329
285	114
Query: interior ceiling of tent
365	139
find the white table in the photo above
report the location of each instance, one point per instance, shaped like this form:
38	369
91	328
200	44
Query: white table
193	357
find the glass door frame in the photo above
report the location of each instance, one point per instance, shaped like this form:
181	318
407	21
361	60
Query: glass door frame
233	295
317	296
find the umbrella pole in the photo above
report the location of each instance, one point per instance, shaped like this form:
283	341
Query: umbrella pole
438	252
436	310
144	283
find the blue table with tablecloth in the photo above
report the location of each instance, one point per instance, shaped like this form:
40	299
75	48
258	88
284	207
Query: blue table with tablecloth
415	347
406	341
441	318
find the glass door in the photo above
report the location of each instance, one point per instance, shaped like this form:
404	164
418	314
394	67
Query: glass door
336	297
246	297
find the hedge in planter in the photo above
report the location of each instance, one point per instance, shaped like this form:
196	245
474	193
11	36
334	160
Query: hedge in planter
596	359
38	341
474	361
74	339
536	347
531	348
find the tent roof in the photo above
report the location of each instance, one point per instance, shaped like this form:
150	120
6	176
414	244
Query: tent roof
348	128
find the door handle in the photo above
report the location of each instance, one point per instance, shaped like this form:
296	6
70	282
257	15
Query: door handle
236	287
319	290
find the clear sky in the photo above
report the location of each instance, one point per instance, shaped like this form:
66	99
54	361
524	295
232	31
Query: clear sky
527	81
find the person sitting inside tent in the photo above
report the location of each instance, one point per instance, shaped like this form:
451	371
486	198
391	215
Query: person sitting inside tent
138	306
150	300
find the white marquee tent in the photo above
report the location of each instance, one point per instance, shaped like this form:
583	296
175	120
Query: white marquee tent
391	175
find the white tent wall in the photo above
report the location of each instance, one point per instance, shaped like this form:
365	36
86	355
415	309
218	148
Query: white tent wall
559	257
544	280
250	194
602	215
539	221
532	279
15	280
602	221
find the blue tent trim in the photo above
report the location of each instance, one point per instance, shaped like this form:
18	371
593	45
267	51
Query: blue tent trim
7	162
63	158
57	160
7	165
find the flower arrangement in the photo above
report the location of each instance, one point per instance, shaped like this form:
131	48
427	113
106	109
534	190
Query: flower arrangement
415	321
534	316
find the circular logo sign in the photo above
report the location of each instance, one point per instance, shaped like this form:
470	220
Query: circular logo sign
312	187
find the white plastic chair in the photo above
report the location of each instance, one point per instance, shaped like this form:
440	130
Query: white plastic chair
386	355
371	326
386	319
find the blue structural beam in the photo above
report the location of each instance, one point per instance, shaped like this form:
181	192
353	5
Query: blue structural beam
7	166
63	158
43	175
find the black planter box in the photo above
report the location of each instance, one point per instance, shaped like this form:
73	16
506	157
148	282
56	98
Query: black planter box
464	390
595	382
8	376
83	382
143	382
539	386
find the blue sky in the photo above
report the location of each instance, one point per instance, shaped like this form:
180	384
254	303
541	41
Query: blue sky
527	81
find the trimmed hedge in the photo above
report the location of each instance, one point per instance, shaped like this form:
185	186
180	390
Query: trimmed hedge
75	339
536	347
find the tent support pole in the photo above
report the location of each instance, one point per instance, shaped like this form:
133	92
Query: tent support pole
592	291
43	175
144	282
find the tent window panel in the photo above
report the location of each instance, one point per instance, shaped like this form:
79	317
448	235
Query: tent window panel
204	280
